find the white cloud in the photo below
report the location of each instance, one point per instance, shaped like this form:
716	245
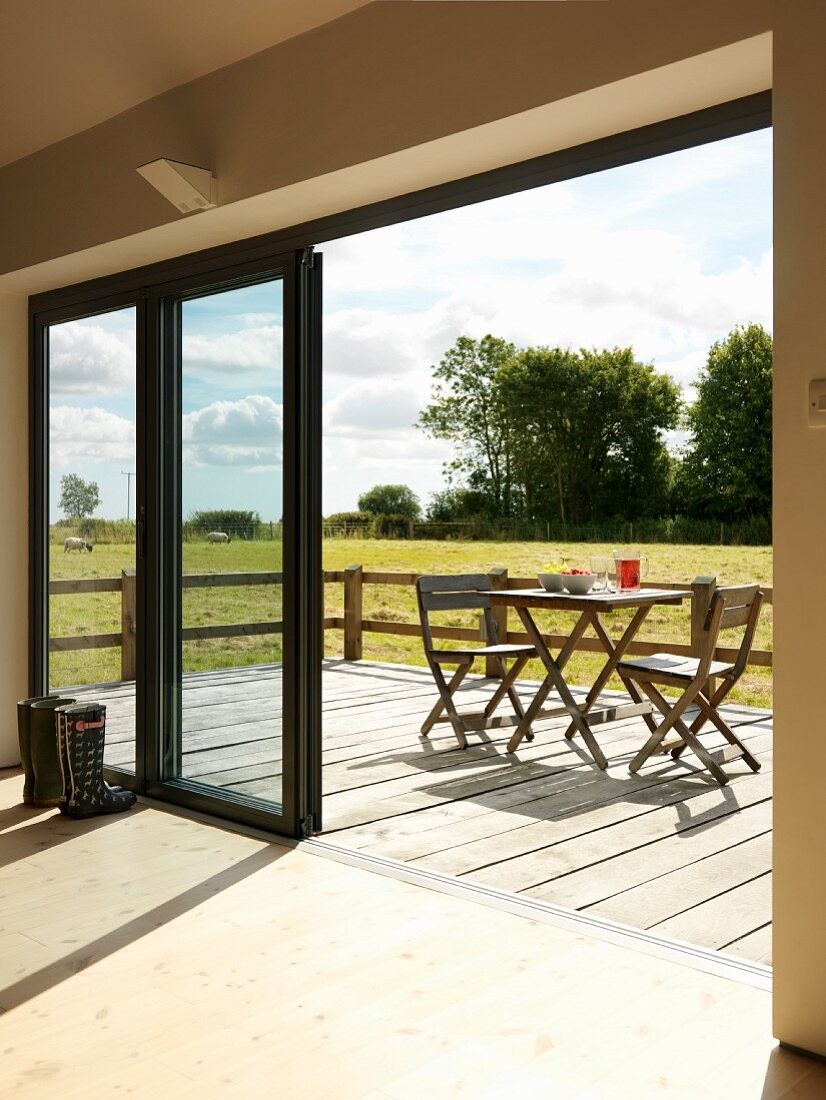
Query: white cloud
645	290
247	433
90	434
254	348
86	358
375	407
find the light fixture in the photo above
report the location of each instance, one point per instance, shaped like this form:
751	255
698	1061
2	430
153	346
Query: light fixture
187	187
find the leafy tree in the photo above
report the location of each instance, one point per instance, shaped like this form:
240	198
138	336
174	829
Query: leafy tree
589	426
350	519
456	503
390	500
466	408
727	469
78	498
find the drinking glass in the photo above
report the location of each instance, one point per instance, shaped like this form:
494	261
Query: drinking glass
601	566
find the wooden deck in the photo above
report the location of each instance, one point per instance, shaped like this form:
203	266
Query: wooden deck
667	850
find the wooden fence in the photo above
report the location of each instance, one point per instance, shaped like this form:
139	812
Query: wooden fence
126	638
353	623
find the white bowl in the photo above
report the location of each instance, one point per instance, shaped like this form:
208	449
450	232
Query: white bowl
579	584
551	582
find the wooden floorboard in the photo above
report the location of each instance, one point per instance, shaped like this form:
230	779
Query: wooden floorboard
152	956
666	850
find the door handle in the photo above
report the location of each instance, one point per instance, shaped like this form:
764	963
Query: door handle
140	537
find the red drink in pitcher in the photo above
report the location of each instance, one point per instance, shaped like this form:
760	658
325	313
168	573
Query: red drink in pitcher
628	574
630	567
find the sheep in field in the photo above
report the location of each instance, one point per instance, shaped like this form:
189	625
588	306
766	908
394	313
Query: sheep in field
218	536
76	544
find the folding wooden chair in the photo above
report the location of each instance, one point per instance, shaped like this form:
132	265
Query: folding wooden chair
460	593
730	607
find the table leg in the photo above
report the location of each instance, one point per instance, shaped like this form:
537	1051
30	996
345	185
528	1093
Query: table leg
615	654
555	679
547	684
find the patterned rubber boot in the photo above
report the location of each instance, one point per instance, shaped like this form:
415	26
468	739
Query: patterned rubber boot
63	754
24	737
85	725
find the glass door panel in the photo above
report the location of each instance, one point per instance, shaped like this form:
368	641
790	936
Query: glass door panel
91	489
227	733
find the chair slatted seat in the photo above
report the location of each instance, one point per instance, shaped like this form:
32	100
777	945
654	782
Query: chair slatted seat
731	607
466	592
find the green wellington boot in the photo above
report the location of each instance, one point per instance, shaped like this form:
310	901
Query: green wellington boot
84	726
24	736
48	779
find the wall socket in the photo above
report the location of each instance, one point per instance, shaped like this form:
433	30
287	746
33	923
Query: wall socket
817	403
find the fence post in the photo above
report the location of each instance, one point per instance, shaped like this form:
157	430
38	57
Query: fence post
498	577
703	589
352	612
128	624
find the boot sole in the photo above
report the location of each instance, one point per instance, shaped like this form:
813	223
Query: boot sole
81	815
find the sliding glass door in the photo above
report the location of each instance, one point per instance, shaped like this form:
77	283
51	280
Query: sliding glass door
177	493
238	669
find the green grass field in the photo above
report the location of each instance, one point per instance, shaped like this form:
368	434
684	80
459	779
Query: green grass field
100	612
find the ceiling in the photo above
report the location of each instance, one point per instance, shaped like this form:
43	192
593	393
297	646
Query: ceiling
67	66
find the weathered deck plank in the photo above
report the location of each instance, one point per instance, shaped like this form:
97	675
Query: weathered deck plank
723	919
667	849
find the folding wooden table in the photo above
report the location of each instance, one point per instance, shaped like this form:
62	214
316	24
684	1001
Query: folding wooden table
589	608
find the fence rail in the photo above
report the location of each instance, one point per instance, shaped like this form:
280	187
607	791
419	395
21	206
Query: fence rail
353	624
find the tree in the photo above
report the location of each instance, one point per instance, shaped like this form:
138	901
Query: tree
727	469
466	408
78	498
590	428
390	500
239	523
456	503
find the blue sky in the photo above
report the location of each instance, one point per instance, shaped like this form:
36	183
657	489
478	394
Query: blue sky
666	255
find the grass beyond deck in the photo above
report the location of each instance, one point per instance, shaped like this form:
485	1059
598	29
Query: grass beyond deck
100	612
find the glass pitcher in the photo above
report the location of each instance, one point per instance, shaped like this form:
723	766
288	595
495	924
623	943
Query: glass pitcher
630	567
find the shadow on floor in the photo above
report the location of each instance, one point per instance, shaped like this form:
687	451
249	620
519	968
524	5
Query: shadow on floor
29	829
95	951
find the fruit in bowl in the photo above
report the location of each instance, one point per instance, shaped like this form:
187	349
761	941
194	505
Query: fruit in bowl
578	582
551	578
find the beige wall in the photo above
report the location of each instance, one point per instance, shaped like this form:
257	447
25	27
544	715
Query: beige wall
14	496
396	75
799	530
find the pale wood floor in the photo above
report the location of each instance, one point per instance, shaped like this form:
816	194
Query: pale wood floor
152	956
668	850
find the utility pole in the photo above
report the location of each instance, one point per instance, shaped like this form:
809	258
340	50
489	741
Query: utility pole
128	475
